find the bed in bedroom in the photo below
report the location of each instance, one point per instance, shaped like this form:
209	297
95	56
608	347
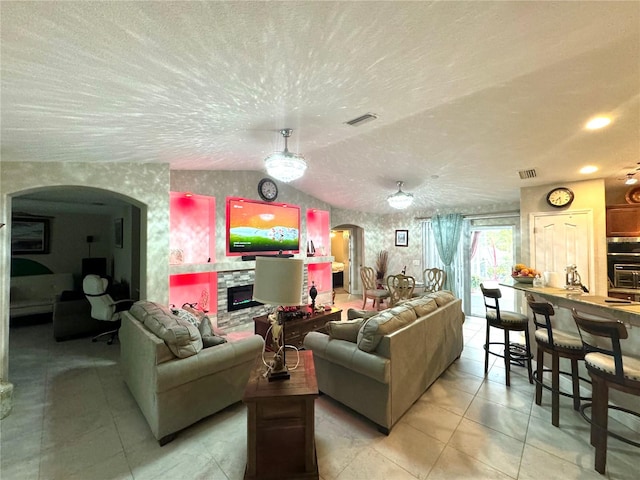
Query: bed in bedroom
337	270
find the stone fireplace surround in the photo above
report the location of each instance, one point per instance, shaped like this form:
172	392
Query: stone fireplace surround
237	274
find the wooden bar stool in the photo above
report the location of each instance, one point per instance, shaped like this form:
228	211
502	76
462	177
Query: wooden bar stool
608	368
559	345
513	353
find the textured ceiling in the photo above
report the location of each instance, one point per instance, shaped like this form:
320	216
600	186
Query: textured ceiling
467	93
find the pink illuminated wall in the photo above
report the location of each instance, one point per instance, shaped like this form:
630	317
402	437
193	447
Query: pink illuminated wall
320	273
192	228
200	288
318	230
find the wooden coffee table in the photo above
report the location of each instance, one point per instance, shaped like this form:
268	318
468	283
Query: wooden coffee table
280	422
296	329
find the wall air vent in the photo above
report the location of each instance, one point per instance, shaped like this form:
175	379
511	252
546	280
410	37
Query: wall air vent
524	174
367	117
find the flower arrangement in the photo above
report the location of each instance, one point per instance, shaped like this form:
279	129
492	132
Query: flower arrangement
382	263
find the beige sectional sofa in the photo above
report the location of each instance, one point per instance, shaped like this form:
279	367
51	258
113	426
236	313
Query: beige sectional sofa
379	366
172	378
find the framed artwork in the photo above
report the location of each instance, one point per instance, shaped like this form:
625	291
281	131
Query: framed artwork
402	238
118	232
29	236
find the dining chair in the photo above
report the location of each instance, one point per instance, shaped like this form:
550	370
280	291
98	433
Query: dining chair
370	288
433	279
400	287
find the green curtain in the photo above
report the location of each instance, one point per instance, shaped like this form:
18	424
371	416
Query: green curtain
446	234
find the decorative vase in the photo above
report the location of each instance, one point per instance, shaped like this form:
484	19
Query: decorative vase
313	293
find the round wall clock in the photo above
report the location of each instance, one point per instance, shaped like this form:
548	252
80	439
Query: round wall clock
268	190
560	197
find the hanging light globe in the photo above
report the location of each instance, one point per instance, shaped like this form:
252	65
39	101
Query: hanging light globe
400	199
285	166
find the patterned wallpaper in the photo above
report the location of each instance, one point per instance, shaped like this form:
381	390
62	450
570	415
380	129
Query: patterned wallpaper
379	233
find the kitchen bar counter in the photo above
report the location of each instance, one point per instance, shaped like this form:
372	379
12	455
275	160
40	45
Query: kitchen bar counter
628	313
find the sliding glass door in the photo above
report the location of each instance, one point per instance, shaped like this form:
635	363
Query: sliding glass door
486	253
491	257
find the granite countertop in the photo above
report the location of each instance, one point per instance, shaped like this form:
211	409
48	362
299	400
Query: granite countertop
626	311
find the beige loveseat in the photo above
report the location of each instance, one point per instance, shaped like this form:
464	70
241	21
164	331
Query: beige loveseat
172	378
381	365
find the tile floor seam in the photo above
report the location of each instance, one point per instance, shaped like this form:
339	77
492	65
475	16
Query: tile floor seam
482	462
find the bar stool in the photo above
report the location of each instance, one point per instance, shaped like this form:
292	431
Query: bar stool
608	368
558	345
513	353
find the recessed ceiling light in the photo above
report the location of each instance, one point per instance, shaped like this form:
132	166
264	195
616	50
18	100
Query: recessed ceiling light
588	169
597	122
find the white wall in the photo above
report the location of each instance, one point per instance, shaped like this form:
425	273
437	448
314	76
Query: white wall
589	195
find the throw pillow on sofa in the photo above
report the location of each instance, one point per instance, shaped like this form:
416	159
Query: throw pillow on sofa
208	338
382	324
186	316
347	330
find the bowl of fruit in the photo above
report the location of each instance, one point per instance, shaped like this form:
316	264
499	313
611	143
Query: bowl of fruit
523	274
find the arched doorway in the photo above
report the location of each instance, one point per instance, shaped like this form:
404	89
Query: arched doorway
87	226
347	247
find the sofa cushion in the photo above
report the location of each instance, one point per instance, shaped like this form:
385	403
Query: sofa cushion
347	330
385	322
441	297
182	338
421	305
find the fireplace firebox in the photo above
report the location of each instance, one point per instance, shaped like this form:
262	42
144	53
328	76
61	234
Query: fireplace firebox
240	297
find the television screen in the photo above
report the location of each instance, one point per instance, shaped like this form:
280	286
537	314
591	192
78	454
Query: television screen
258	227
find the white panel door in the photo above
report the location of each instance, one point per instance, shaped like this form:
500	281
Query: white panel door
563	239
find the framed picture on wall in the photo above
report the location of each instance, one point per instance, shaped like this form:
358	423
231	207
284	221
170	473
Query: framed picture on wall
402	238
118	232
29	236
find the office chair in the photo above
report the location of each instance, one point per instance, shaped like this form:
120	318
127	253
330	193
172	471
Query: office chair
103	307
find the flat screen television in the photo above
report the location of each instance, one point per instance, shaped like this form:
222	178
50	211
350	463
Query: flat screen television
255	227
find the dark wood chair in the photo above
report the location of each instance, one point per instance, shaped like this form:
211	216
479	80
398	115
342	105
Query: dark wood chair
559	345
608	368
507	321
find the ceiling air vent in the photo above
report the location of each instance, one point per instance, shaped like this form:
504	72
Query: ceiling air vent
524	174
367	117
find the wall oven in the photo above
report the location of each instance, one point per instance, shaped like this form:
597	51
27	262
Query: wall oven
623	262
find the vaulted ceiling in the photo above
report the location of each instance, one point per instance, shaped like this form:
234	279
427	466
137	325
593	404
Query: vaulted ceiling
467	94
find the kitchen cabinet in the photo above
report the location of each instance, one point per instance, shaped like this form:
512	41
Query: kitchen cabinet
623	221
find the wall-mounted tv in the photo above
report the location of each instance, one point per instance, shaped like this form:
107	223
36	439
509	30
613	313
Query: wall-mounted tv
255	227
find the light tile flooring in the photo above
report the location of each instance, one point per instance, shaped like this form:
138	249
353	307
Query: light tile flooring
75	419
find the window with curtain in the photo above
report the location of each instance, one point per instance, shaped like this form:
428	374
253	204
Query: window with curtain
468	251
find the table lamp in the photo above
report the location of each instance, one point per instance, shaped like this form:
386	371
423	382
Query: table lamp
278	282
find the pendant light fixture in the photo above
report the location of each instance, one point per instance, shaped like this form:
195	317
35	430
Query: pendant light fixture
631	180
285	166
400	199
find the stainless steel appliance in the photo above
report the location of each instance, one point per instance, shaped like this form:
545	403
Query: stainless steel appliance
626	275
623	262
